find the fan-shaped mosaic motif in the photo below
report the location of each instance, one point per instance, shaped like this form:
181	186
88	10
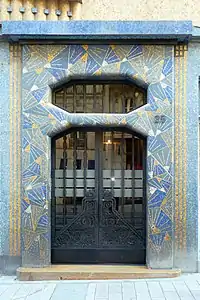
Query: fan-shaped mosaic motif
44	66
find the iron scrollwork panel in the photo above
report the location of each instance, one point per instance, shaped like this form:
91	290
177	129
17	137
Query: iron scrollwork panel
114	230
82	231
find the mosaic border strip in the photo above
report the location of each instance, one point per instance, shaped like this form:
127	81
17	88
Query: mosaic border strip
180	151
15	151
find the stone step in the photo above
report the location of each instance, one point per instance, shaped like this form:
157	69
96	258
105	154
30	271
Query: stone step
93	272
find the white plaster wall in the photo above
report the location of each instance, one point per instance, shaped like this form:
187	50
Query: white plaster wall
141	10
105	10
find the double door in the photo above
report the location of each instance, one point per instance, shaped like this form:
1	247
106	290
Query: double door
98	198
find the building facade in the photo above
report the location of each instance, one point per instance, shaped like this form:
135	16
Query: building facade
99	134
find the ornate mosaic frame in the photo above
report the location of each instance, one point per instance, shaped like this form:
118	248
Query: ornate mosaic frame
46	66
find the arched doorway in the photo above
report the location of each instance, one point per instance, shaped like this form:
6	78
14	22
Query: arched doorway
98	187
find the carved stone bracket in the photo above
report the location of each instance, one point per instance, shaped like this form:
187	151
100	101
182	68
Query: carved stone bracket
62	10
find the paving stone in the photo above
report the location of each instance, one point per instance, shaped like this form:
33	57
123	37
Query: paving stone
27	289
171	295
115	291
155	290
115	287
182	289
7	279
196	294
187	298
115	297
193	285
3	287
128	291
101	290
10	292
44	294
142	291
70	291
90	295
167	286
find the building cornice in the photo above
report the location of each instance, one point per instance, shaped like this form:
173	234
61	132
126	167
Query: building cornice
180	31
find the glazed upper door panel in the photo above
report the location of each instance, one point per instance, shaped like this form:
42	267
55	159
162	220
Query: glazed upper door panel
98	203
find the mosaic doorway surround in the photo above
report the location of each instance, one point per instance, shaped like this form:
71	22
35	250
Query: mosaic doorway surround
46	67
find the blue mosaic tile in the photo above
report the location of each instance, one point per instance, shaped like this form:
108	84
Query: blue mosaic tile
111	57
158	170
158	91
59	114
134	52
37	110
168	92
61	61
35	152
155	143
24	142
76	53
26	122
156	199
163	222
153	182
157	239
37	195
97	53
153	105
33	170
43	221
126	68
39	94
167	67
24	205
58	74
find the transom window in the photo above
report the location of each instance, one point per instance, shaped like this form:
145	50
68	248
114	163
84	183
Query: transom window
99	98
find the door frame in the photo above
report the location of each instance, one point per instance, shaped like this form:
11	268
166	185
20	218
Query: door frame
100	130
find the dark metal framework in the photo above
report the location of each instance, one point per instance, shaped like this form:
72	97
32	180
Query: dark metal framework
99	96
98	196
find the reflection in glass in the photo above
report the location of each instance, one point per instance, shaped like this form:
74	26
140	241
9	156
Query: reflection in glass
100	161
75	172
99	98
123	172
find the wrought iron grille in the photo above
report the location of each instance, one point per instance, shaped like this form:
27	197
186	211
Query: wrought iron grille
98	197
99	98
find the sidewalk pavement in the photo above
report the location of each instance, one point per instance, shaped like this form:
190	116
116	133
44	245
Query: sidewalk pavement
185	287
